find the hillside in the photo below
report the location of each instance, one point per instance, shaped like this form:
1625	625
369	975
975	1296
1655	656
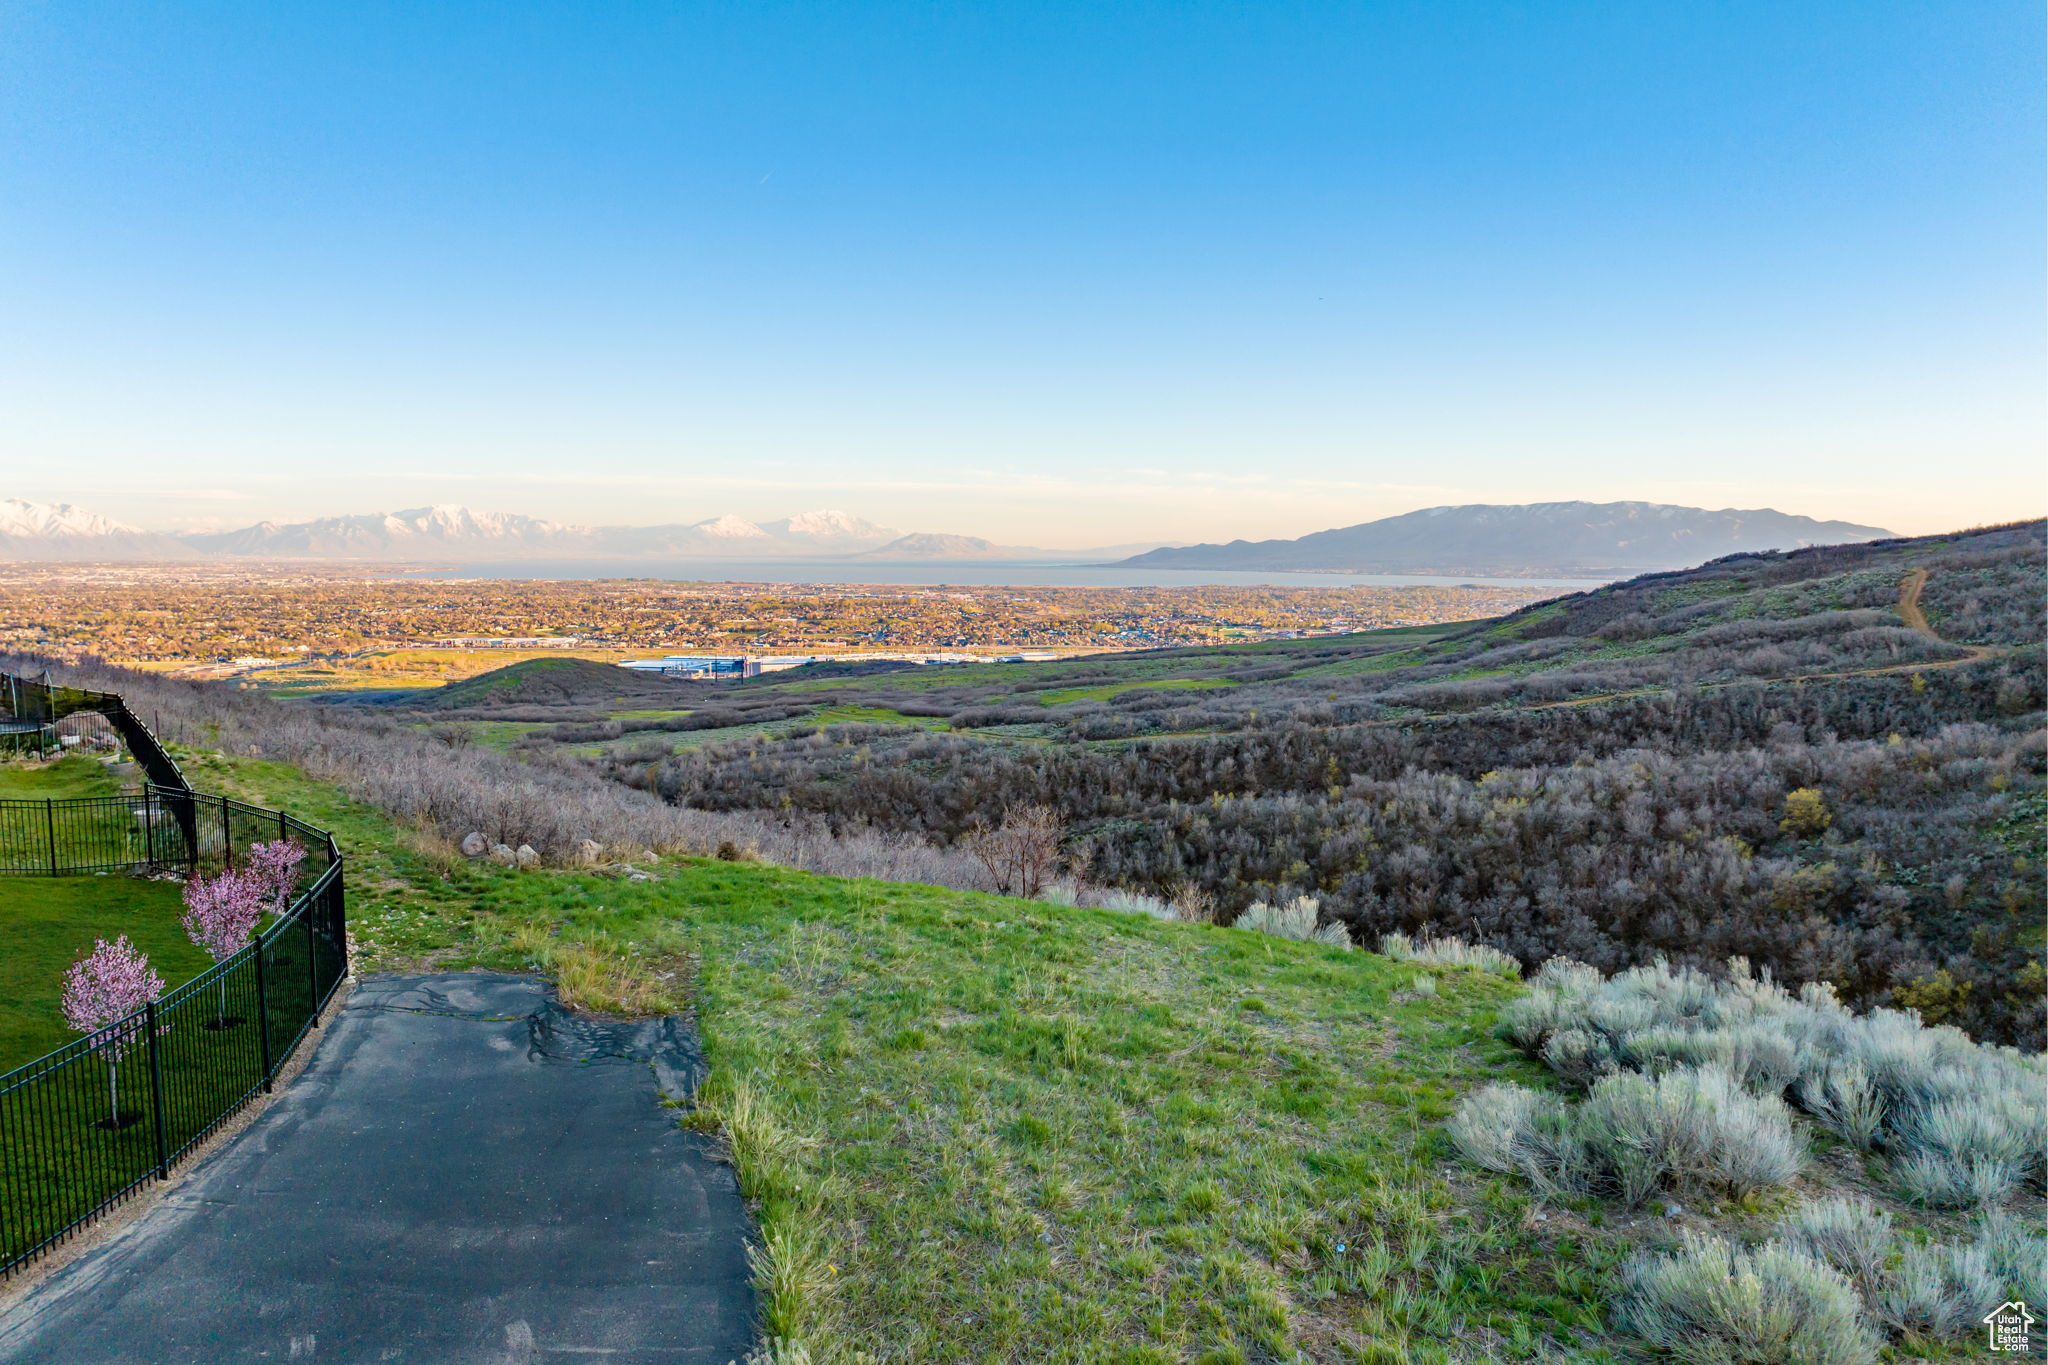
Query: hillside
1606	775
982	1128
1546	539
552	684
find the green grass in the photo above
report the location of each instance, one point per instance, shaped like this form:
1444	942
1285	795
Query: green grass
981	1129
52	922
875	715
62	780
1108	690
975	1128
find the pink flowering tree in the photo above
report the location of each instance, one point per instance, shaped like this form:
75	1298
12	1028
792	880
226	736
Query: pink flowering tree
102	992
275	866
220	915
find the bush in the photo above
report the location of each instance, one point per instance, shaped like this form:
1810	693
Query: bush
1939	1291
1964	1125
1691	1131
1711	1303
1518	1131
1295	920
1852	1235
1136	903
1450	952
2019	1255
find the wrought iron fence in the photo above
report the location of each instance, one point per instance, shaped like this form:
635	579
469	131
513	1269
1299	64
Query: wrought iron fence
85	1126
158	827
37	714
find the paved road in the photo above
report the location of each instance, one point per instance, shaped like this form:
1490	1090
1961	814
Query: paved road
463	1175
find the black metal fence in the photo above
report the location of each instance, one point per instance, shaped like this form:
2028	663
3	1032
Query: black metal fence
88	1124
158	827
37	714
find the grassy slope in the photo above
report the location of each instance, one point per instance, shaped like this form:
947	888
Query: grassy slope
987	1129
52	921
64	780
1019	1131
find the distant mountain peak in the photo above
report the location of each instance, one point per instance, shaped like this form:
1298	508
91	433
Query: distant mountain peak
1542	539
831	524
730	527
20	517
58	530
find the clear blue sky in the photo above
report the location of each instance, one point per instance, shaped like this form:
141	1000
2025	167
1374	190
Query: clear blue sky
1050	273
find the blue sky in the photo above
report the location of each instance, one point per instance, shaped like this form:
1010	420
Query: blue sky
1049	273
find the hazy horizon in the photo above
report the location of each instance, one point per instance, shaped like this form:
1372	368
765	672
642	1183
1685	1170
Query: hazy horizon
1062	275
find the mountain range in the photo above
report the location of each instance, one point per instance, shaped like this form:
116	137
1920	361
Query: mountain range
37	531
1543	539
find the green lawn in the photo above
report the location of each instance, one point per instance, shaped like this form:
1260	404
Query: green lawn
66	778
52	922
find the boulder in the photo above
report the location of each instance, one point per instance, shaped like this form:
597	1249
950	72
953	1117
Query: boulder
588	852
502	853
527	856
475	845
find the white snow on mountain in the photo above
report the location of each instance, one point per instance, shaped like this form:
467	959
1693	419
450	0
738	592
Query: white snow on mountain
19	517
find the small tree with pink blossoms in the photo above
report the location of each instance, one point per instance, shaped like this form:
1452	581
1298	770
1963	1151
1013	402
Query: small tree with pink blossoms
276	866
220	914
102	992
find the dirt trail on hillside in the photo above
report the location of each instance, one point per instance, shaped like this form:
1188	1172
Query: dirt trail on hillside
1909	603
1910	588
1909	610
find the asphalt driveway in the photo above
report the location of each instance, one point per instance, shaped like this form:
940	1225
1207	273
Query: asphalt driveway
463	1174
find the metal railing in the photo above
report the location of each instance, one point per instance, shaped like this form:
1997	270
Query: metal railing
85	1126
42	705
157	827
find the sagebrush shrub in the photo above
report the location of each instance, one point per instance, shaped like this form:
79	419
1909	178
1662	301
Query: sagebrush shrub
1296	920
1712	1303
1851	1234
1692	1130
1963	1124
1939	1291
1449	952
1518	1131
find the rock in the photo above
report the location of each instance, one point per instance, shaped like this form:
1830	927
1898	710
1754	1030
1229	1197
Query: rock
502	853
475	845
527	856
638	877
588	852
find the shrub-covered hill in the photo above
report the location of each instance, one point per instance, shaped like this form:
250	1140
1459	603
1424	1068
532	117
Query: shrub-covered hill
1828	761
980	1128
553	687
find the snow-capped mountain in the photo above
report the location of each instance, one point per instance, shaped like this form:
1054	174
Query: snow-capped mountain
41	530
457	533
831	530
438	531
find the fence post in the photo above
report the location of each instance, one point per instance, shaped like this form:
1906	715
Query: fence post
262	1013
312	963
156	1091
50	828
